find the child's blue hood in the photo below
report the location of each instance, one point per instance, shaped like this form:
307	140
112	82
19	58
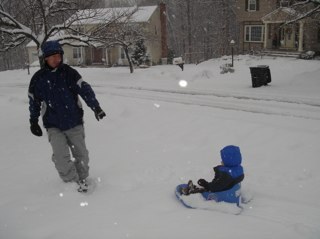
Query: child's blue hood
231	156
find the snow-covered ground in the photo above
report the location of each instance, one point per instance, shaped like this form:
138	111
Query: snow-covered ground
158	134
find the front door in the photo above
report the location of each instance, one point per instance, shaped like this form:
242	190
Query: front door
97	55
287	37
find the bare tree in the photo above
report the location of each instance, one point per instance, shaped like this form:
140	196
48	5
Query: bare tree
304	9
15	58
38	20
201	29
122	3
121	31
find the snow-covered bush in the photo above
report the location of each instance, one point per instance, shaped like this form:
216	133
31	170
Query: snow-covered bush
139	55
308	55
225	68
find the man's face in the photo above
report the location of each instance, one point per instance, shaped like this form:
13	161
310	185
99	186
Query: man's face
54	60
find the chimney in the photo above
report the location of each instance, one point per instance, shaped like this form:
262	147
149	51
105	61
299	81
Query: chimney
163	21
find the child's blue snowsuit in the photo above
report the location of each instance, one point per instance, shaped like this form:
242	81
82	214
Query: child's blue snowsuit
228	174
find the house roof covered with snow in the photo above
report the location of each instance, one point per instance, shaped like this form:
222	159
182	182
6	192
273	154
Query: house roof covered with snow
56	36
105	15
279	15
102	15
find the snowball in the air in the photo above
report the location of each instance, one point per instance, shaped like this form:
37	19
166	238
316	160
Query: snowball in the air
183	83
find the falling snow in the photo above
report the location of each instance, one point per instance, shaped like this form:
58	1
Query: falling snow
141	151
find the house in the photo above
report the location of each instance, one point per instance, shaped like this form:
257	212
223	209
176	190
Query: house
262	27
151	19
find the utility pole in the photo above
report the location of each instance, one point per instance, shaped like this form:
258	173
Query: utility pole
189	31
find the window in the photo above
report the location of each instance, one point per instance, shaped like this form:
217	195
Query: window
122	54
252	5
254	33
34	56
79	29
76	52
284	3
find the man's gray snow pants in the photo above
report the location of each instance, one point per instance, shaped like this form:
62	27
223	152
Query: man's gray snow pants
62	142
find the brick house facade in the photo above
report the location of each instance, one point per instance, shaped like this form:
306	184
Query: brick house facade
261	27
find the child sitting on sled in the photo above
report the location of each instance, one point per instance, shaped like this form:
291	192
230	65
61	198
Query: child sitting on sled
228	174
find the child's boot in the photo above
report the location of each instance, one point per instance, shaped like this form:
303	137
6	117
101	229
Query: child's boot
186	190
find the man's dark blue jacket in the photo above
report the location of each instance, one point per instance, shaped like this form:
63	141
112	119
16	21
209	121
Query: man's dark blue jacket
55	94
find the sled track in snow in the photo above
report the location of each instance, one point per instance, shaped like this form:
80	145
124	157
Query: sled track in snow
282	107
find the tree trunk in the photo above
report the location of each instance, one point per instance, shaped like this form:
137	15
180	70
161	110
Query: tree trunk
41	62
126	51
189	32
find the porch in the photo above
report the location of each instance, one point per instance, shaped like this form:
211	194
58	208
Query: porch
284	38
281	52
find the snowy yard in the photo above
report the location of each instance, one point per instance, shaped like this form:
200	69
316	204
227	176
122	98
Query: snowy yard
158	134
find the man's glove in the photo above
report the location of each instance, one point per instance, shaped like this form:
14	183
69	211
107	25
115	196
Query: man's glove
35	128
203	183
99	113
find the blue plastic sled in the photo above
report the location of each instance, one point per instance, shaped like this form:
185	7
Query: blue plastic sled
178	194
232	195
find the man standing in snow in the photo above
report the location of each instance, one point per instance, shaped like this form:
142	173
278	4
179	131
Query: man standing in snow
54	91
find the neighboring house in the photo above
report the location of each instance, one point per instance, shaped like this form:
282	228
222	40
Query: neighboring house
151	19
261	27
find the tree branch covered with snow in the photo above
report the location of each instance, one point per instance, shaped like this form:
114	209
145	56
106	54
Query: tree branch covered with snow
121	30
40	21
304	9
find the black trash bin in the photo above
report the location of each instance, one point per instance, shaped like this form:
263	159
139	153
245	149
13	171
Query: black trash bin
260	75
